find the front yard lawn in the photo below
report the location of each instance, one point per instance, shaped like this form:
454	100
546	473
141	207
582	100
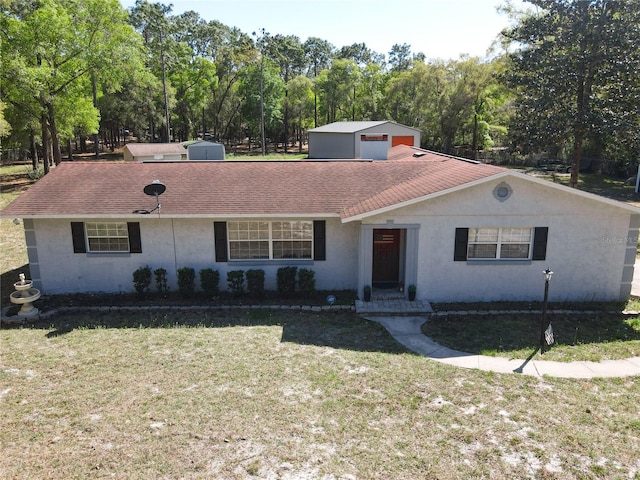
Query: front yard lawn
584	337
291	395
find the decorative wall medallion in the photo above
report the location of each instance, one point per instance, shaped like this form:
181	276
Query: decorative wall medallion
502	191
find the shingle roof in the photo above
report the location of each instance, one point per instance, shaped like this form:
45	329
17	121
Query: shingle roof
225	189
138	149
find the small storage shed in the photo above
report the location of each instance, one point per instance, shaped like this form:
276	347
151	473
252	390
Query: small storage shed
369	140
154	152
203	151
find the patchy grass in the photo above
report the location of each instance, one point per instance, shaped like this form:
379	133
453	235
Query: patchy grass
14	169
594	337
266	394
13	249
632	304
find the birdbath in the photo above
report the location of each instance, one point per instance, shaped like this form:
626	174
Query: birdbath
24	295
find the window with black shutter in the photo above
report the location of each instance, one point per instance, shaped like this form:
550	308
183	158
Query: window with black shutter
106	237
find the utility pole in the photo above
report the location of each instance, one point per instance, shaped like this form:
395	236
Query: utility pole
260	43
164	86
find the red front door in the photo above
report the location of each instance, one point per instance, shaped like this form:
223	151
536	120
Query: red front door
386	258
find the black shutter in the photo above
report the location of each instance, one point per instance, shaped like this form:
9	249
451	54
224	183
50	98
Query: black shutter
135	241
220	241
460	250
77	235
319	240
540	235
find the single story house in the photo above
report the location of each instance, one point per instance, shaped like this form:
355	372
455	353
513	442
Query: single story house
366	140
154	152
458	230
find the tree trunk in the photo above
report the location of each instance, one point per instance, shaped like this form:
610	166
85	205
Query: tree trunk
286	115
69	150
164	90
575	161
96	138
300	132
152	129
474	141
579	134
55	141
34	150
45	143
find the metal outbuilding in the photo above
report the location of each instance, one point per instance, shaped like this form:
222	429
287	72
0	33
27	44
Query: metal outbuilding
203	151
367	139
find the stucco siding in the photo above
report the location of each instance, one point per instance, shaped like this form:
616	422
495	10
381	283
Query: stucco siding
172	244
586	248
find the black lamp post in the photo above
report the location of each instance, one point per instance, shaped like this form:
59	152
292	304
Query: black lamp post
543	322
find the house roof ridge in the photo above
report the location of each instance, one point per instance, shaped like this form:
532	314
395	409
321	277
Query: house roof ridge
424	183
349	190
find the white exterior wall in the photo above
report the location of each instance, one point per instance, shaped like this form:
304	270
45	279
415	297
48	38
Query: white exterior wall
56	269
591	248
587	246
392	129
159	157
374	150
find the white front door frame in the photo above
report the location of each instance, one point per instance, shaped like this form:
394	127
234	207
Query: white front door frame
365	253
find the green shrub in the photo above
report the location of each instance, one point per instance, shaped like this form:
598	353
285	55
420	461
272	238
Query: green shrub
35	173
367	293
255	282
286	279
306	281
186	281
161	280
209	281
142	279
235	280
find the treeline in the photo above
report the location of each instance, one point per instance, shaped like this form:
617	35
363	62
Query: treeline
565	82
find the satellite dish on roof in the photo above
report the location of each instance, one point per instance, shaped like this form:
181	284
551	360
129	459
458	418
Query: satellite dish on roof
154	189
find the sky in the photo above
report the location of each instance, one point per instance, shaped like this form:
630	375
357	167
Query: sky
442	29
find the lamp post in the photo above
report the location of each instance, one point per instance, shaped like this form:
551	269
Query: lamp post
543	322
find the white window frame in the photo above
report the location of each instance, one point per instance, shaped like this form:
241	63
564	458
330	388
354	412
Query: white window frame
103	236
266	233
500	240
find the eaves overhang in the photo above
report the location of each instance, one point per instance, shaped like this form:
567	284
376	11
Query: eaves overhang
502	175
138	216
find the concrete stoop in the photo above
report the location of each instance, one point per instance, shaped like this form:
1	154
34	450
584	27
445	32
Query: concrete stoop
393	307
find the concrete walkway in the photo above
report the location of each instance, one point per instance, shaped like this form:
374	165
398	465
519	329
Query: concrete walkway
406	330
635	286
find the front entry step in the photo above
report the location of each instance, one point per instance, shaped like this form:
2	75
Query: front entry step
393	306
396	296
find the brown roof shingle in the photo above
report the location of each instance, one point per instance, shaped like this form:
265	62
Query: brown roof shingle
226	189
